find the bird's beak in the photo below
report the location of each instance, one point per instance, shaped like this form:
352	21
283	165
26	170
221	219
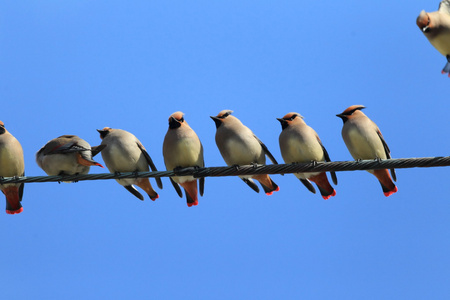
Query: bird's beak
217	121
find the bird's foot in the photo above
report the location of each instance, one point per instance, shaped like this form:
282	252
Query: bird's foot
75	181
177	169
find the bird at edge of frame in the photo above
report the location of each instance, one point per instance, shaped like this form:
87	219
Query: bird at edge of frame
12	165
436	27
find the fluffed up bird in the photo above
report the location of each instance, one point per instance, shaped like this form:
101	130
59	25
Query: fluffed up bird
365	141
123	152
181	149
67	155
238	145
436	27
11	165
299	143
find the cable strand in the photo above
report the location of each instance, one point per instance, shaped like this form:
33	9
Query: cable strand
336	166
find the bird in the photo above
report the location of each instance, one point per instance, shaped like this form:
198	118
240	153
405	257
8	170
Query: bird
299	143
123	152
11	165
182	149
238	145
67	155
436	27
364	140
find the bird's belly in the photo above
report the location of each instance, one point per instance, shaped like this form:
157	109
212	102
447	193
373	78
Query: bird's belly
300	152
242	154
187	153
120	160
10	165
365	147
442	43
56	163
183	179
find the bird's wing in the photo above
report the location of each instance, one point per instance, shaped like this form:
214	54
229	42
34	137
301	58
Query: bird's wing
150	163
266	151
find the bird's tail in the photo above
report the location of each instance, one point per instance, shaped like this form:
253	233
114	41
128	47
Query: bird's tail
386	182
446	69
85	160
13	205
325	188
190	189
144	184
267	184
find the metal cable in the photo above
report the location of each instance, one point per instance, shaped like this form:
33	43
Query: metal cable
399	163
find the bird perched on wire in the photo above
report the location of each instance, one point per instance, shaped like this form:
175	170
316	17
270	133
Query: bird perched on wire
238	145
181	149
436	27
67	155
365	141
299	143
11	165
123	152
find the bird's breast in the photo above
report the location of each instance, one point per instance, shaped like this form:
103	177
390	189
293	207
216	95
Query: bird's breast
11	163
296	149
243	152
186	152
122	158
442	42
363	144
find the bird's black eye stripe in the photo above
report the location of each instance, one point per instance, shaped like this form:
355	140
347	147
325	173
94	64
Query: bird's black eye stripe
291	118
224	115
182	119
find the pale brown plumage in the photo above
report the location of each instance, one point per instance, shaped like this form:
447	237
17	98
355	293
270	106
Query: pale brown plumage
67	155
365	141
299	143
11	164
238	145
182	149
123	152
436	27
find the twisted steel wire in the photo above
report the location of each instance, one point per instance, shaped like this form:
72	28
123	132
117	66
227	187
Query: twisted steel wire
398	163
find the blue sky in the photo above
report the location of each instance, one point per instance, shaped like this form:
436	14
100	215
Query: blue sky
71	67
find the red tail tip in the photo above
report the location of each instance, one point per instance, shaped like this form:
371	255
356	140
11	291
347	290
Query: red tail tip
329	196
195	203
275	190
154	198
97	164
13	212
395	190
